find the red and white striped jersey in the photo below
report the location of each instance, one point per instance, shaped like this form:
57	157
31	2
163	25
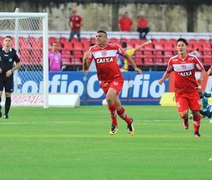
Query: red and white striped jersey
185	81
105	60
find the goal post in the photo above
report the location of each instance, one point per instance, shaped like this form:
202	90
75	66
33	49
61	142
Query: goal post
30	38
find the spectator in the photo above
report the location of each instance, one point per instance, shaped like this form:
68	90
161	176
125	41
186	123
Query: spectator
125	23
123	64
75	23
142	27
55	58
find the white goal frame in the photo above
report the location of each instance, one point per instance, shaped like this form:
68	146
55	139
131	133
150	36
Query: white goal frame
44	16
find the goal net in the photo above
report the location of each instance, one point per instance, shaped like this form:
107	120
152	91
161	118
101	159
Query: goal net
29	32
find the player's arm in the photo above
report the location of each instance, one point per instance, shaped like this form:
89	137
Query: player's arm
167	73
130	61
17	62
202	76
200	68
164	77
85	63
142	45
15	67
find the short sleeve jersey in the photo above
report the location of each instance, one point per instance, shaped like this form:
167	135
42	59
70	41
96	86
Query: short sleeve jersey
125	24
76	21
105	60
55	61
185	81
7	60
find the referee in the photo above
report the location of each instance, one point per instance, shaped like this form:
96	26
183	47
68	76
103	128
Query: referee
9	62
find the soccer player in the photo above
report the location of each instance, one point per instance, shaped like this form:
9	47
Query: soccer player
186	85
9	62
123	64
110	77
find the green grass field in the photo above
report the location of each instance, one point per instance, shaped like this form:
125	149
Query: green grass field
65	143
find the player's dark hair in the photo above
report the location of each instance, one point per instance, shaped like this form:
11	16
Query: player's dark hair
183	40
102	31
10	37
124	44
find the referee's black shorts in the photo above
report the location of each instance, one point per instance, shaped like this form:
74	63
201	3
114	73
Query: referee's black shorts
7	83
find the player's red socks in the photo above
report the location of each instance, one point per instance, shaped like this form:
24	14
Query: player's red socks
122	113
113	112
196	123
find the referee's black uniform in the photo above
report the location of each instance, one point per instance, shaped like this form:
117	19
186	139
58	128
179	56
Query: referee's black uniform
7	60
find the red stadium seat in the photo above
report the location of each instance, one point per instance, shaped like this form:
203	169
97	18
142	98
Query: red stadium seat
68	45
24	43
114	40
66	57
138	60
78	46
207	61
159	61
78	54
63	39
76	61
37	57
25	56
148	61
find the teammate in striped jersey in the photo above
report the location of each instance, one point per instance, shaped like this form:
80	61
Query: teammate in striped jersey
186	85
111	80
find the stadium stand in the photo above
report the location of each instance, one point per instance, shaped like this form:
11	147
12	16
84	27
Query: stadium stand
154	56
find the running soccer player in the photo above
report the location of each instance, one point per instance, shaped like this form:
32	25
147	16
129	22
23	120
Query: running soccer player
186	85
9	62
110	77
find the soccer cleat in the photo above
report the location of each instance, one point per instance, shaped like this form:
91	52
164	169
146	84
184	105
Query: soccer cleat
197	134
6	116
131	128
185	123
191	116
113	130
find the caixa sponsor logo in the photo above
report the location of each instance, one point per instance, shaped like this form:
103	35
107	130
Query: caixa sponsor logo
135	86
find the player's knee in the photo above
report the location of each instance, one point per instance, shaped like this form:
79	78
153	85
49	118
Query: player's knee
196	113
184	115
109	100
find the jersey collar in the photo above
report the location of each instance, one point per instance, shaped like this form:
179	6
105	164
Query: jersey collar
5	49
